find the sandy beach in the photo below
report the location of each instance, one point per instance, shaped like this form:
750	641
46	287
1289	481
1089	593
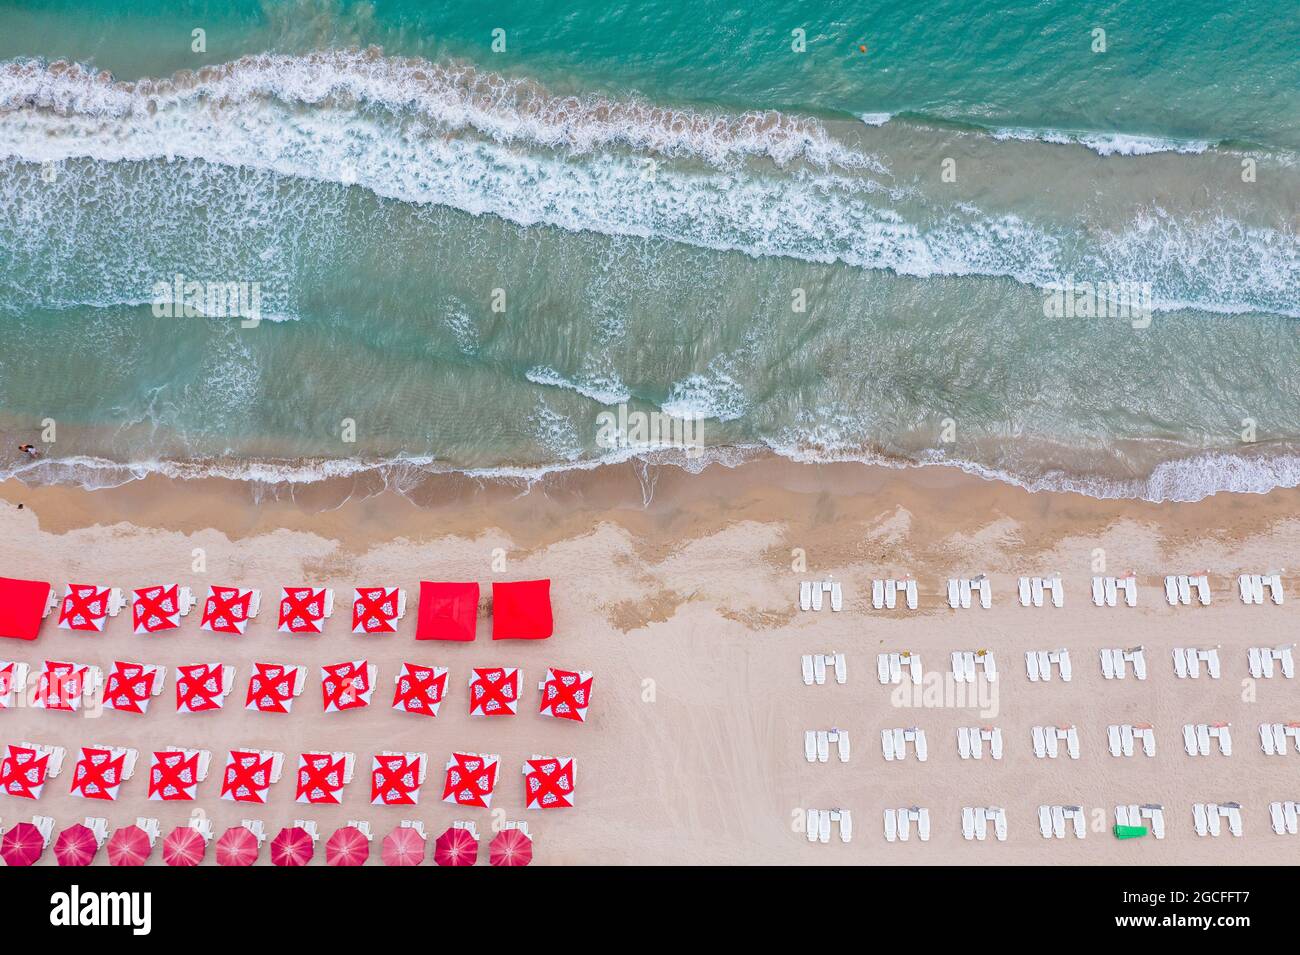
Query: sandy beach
685	608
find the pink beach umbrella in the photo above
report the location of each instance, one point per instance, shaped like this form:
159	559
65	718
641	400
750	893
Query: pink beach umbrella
403	846
510	847
292	846
455	847
129	845
184	847
237	847
347	847
22	845
75	845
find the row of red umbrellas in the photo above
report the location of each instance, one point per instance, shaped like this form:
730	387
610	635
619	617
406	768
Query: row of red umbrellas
77	845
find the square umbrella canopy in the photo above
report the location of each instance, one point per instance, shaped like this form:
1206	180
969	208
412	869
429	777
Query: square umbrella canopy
521	610
448	611
22	606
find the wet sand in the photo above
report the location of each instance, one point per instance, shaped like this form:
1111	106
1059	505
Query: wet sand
679	592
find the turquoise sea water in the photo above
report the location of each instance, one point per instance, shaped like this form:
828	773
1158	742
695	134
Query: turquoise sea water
463	255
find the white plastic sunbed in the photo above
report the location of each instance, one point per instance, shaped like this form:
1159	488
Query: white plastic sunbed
986	593
1257	588
1275	588
963	742
811	824
923	824
837	597
1113	740
1058	821
1063	661
1137	656
807	662
824	826
1072	742
816	594
1203	738
891	594
1234	818
891	825
1036	591
1040	742
1108	663
1000	824
994	736
910	591
1098	595
1276	817
964	589
1200	818
1266	739
810	745
887	744
1184	590
1024	591
1111	588
968	821
953	599
823	746
805	595
841	669
1045	821
842	744
1031	666
1171	591
846	825
922	750
819	668
877	594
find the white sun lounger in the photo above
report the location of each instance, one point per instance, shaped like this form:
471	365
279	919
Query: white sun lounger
1224	734
824	826
1203	589
1257	588
1052	740
1275	817
963	742
805	595
914	666
1213	818
1266	739
891	825
1000	824
891	594
1031	666
810	745
816	594
887	744
1072	742
807	662
977	743
1171	591
1180	663
837	597
823	746
842	744
1290	811
841	669
1040	742
1108	663
819	668
1058	821
1024	591
994	737
1111	588
1045	821
1255	663
882	668
968	821
1036	591
846	826
1130	591
810	825
964	588
1203	738
1200	818
1211	658
1063	661
1285	656
990	665
923	824
1156	816
1184	590
922	750
1275	588
1148	741
981	823
877	594
1113	740
1098	592
954	600
986	594
909	591
1233	812
1137	656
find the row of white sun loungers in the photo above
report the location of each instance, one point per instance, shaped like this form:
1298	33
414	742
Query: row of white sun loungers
815	664
1197	736
1046	739
1052	819
1038	664
1251	587
898	824
971	740
1032	590
1208	816
960	590
1123	736
884	593
819	824
1273	738
1105	590
894	743
1178	589
1261	660
1283	816
817	745
975	820
1115	662
1149	815
889	666
810	594
967	663
1188	660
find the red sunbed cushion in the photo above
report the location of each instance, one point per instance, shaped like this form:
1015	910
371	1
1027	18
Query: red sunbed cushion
447	611
521	610
22	606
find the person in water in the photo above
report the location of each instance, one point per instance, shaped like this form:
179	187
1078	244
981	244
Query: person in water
29	450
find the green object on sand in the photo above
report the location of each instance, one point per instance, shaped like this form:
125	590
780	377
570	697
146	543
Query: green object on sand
1130	832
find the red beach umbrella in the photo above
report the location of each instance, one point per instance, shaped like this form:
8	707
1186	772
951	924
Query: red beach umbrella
237	847
455	847
403	846
347	847
22	845
292	847
75	845
510	847
129	846
184	847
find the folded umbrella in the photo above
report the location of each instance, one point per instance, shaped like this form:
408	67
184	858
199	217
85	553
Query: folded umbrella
22	845
75	845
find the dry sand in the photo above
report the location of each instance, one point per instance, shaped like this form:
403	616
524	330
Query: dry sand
685	609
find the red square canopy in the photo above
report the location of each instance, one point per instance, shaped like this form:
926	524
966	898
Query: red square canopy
521	610
22	607
447	611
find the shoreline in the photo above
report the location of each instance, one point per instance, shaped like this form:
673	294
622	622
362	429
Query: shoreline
692	599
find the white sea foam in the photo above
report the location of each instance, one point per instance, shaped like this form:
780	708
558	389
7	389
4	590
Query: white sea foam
606	390
876	119
1105	144
266	114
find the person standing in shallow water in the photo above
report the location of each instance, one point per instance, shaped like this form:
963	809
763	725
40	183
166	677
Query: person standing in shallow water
29	450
